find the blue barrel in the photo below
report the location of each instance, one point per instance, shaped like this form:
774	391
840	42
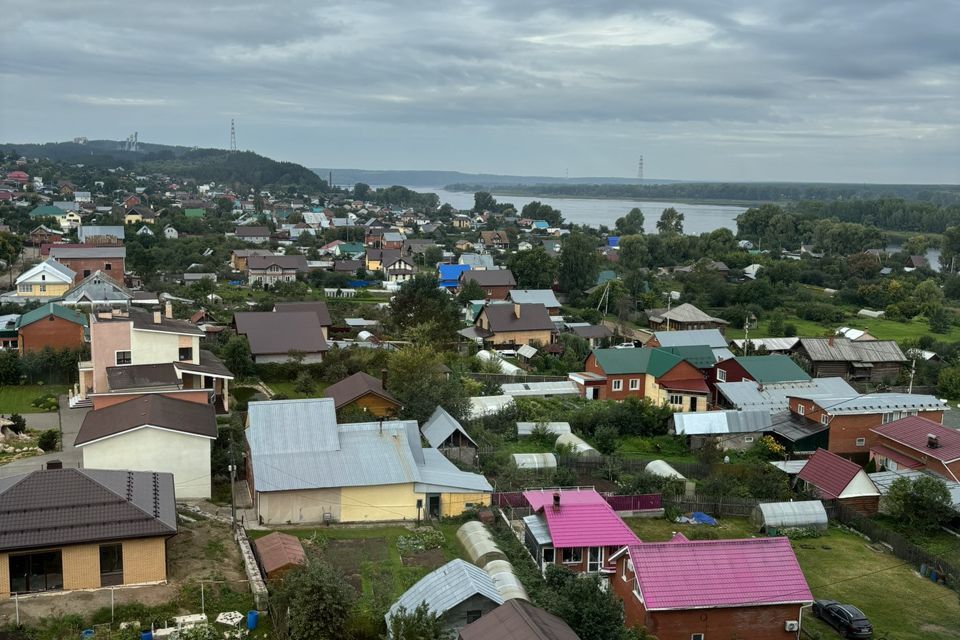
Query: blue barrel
252	618
933	575
86	633
146	635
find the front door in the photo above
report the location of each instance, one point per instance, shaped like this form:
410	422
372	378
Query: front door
693	404
594	559
433	506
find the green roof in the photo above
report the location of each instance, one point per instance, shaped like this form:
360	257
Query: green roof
351	247
606	276
51	309
655	362
46	211
699	355
776	368
195	213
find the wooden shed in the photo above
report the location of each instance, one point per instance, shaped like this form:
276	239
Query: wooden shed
278	553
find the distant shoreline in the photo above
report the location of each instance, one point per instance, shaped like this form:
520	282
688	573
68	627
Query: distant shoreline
516	194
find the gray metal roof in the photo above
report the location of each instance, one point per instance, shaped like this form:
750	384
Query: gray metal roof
98	287
875	402
477	260
446	587
556	428
710	337
536	524
685	312
842	349
883	480
793	514
704	423
546	297
770	344
560	388
790	467
794	429
88	252
748	394
440	426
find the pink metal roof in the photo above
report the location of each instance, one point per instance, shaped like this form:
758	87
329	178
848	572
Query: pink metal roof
829	473
583	519
682	574
912	432
901	459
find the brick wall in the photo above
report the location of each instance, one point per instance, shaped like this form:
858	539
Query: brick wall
53	332
81	566
79	265
144	560
756	623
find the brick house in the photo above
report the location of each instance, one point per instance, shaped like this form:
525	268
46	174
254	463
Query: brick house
831	477
51	326
695	590
45	235
770	369
915	443
664	377
496	283
269	270
86	260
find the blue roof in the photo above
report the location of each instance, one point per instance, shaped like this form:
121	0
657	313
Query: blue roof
613	241
541	224
450	274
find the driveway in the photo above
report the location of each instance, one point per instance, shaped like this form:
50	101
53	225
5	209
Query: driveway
69	420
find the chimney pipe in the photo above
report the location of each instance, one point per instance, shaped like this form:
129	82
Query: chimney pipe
556	499
383	378
168	310
157	318
516	309
830	341
933	441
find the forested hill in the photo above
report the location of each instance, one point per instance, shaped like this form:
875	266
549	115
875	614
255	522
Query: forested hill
434	179
203	165
735	191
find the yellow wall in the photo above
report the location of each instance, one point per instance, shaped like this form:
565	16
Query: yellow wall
81	566
52	289
453	504
308	505
131	218
4	576
376	405
151	347
381	502
521	337
144	560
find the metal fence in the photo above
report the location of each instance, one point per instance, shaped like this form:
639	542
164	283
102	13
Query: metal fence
590	466
504	378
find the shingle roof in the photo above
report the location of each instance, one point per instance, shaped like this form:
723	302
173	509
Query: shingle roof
51	309
655	362
446	587
584	519
281	332
517	619
356	386
842	349
912	432
317	306
829	473
684	574
440	426
253	232
72	506
154	410
774	368
490	277
503	317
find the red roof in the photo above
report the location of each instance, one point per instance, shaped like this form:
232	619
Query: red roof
683	574
912	432
583	519
901	459
829	473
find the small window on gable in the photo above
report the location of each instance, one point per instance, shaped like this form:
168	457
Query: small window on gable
861	442
824	418
800	408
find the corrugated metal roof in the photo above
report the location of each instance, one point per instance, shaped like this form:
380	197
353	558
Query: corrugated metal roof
912	432
537	526
790	467
560	388
829	473
721	422
883	480
842	349
772	368
445	588
556	428
654	361
691	337
748	394
583	519
770	344
876	402
440	426
546	297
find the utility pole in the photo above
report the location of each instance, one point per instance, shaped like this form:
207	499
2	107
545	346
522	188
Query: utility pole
233	502
746	335
913	371
669	303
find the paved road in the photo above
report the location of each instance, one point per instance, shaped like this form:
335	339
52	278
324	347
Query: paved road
70	421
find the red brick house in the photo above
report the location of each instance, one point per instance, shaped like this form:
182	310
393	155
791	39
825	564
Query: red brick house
51	326
698	590
918	444
831	477
86	260
496	283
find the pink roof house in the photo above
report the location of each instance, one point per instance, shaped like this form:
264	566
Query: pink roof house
575	528
750	588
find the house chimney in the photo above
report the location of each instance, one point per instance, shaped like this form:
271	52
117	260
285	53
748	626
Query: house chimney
933	441
556	499
830	341
157	317
383	378
516	309
168	310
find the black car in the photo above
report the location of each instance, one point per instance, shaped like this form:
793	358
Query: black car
845	618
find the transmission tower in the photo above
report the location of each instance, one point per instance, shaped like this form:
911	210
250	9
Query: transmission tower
640	169
233	137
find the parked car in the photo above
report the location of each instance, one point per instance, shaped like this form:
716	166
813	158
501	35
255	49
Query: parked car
845	618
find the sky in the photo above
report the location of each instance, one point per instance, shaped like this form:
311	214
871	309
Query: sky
745	90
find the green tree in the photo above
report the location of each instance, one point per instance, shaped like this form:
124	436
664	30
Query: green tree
432	255
948	382
670	222
471	290
305	383
417	378
634	254
776	326
9	367
538	211
313	602
484	201
533	269
949	249
237	357
630	224
592	612
921	504
579	264
605	440
419	624
361	191
939	319
420	301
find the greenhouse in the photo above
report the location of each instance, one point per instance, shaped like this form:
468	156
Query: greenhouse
534	461
579	446
783	515
505	580
479	544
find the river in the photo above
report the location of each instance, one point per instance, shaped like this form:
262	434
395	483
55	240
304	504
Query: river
698	218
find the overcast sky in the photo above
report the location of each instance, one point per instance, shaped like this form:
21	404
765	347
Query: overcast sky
826	90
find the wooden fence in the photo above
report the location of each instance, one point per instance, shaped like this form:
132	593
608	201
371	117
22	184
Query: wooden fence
717	506
639	502
590	466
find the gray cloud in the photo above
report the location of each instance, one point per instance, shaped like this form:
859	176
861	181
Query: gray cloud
864	90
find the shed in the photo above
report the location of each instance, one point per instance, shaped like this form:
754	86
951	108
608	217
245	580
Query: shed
534	461
478	543
278	553
580	447
779	515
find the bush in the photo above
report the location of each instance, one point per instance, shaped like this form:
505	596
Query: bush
19	423
47	402
605	440
800	533
48	440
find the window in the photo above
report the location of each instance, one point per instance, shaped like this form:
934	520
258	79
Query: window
800	408
696	636
861	442
123	357
186	353
572	555
473	615
43	288
43	277
636	591
634	384
548	555
721	375
107	266
748	439
676	399
36	572
25	288
824	418
618	385
86	272
111	565
887	418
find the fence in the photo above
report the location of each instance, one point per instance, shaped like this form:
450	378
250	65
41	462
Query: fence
504	378
717	506
590	466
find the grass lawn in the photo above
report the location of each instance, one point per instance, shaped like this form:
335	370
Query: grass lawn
17	399
939	543
286	387
661	529
666	448
880	328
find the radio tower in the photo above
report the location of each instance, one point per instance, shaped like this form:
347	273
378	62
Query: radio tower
640	169
233	137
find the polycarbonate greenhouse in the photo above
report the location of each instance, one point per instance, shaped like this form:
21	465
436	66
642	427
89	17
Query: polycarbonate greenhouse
580	447
505	580
780	515
534	461
478	542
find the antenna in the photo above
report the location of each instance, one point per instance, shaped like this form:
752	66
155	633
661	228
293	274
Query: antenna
233	137
640	169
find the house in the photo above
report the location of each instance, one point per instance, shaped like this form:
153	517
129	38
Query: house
99	290
449	274
773	346
274	336
67	529
774	397
49	279
445	434
46	211
573	528
664	377
694	590
517	619
347	266
278	553
318	307
916	262
733	430
512	325
392	240
270	270
496	283
495	239
798	436
683	317
305	468
397	269
239	257
458	593
363	392
918	444
170	233
252	234
52	326
595	335
192	277
872	361
712	338
43	234
852	418
145	230
100	235
153	433
135	351
763	369
831	477
546	297
85	260
479	261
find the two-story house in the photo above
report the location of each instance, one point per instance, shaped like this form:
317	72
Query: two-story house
49	279
918	444
86	260
269	270
496	283
513	325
